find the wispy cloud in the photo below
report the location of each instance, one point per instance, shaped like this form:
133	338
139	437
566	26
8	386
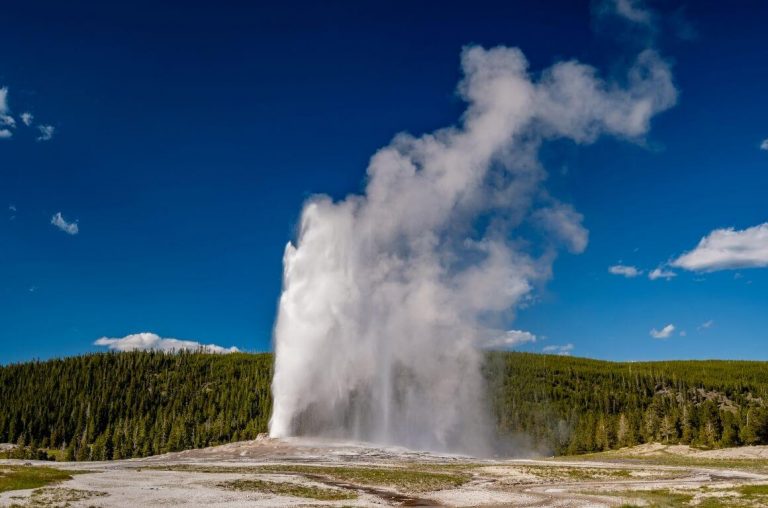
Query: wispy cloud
631	10
706	324
509	339
4	100
725	249
151	341
661	273
625	270
664	333
12	210
764	145
46	132
61	223
562	350
8	121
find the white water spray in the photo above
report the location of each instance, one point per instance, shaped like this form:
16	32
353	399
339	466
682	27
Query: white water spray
388	297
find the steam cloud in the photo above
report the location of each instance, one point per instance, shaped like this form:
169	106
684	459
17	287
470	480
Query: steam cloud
389	296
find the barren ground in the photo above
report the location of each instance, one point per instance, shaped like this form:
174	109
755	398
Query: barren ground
298	473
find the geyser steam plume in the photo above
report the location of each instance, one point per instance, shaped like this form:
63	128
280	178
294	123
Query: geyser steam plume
388	297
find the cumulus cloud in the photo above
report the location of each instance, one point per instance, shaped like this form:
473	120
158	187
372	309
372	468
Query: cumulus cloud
70	228
509	339
625	270
27	118
152	341
764	145
562	350
664	333
727	249
661	273
5	134
46	132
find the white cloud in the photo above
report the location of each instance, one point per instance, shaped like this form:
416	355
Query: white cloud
725	249
6	120
764	145
46	132
661	273
509	339
706	324
68	227
664	333
625	270
562	350
151	341
631	10
683	333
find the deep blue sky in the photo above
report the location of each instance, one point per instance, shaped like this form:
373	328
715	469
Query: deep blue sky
187	138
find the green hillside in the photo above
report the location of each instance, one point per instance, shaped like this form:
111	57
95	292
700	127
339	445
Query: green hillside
577	405
120	405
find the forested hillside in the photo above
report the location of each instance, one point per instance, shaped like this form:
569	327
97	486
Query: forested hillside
120	405
577	405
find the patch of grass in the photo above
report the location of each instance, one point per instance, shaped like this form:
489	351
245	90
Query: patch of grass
288	489
47	497
712	502
664	458
753	491
415	480
660	498
30	477
575	473
410	479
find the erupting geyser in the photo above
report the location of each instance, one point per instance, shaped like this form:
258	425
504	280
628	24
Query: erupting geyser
389	297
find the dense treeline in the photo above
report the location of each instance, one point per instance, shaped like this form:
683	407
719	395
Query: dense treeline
576	405
121	405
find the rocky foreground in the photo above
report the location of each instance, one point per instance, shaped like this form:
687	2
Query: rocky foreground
269	472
